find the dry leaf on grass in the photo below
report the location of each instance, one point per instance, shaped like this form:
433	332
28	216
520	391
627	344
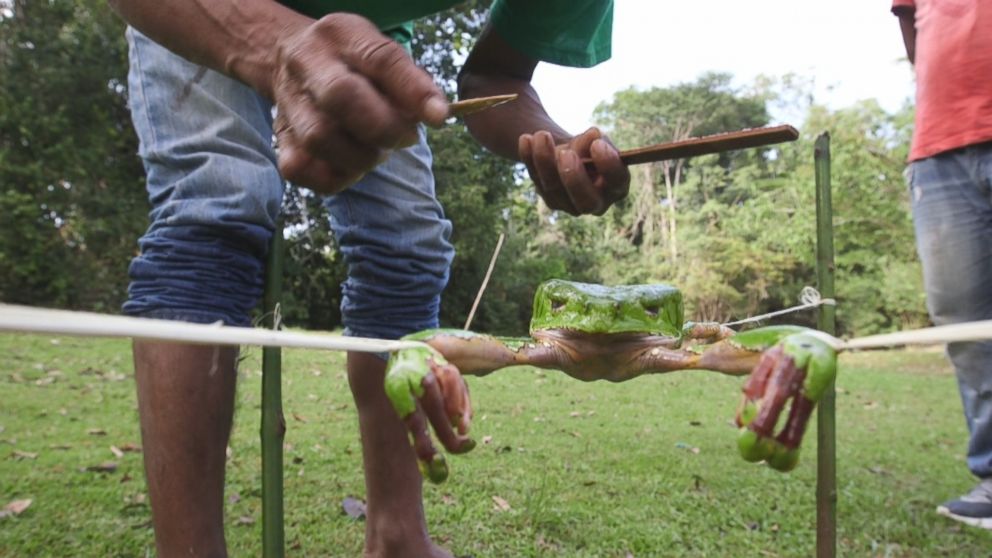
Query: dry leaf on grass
687	447
353	508
96	432
20	455
105	467
245	520
500	504
16	507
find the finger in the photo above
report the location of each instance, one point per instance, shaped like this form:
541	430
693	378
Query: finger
585	197
432	463
757	382
433	404
582	142
795	426
326	139
423	446
454	393
781	385
298	166
525	150
391	69
613	178
351	99
546	165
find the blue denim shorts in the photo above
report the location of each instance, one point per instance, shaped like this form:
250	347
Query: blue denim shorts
215	193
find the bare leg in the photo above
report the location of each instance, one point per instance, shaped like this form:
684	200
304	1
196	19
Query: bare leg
396	526
186	405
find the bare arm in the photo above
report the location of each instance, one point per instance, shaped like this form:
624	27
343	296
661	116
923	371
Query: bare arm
907	24
344	92
236	38
523	130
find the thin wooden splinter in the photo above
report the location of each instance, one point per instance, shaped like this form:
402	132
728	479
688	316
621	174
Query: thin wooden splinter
465	107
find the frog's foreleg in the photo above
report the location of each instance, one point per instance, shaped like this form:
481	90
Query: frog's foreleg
476	354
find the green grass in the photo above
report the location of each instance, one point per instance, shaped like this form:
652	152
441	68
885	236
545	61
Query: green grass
587	469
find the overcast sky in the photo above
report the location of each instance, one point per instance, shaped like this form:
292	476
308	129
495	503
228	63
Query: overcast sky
852	48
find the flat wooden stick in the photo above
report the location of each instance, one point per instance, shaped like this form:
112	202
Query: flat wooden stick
716	143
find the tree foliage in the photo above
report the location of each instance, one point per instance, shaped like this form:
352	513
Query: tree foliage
70	183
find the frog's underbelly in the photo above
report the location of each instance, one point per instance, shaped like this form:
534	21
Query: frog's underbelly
605	342
598	352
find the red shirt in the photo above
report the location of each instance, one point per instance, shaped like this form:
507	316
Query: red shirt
953	74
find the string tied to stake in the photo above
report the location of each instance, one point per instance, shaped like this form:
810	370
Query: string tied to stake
809	297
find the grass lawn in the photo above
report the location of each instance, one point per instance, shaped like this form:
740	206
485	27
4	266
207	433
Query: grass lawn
646	468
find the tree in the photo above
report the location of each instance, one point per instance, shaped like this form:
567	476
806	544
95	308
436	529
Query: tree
708	105
70	184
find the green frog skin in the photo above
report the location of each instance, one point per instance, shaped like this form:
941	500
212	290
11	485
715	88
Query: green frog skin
593	332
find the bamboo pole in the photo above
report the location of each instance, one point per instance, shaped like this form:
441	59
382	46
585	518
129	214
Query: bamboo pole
273	430
826	452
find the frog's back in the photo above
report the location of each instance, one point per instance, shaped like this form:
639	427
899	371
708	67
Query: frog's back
654	308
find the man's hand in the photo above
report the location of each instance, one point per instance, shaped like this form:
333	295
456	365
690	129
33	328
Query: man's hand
346	94
565	182
800	368
523	130
424	388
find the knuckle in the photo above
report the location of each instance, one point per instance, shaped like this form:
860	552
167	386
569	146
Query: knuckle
380	55
314	135
335	89
340	23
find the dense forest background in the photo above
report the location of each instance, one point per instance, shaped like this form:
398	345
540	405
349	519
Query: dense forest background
734	231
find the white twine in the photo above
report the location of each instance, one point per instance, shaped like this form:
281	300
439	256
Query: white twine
24	319
808	297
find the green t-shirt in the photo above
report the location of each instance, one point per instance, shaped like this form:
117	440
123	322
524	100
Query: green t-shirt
566	32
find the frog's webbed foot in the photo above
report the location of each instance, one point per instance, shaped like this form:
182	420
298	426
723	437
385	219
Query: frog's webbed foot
425	389
799	369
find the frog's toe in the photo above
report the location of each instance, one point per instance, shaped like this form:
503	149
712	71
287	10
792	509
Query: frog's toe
747	411
750	445
754	447
434	469
783	459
